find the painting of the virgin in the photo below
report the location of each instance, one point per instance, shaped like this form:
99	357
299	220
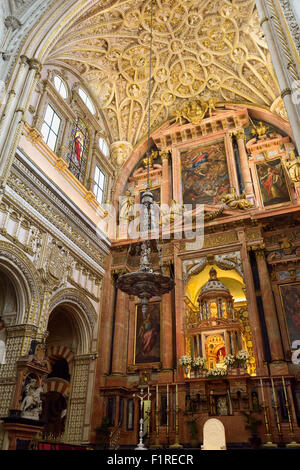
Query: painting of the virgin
147	341
272	183
204	174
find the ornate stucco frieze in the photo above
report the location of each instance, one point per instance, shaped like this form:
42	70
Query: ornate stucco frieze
291	21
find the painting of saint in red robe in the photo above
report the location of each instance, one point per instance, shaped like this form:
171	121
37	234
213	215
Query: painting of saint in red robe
272	183
147	346
78	149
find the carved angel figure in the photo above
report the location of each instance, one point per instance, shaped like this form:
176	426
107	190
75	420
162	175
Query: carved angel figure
293	167
234	201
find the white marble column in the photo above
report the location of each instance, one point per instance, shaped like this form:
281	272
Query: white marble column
9	146
280	51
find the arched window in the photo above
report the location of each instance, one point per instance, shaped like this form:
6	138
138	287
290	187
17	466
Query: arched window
79	149
50	128
103	146
60	87
99	184
87	100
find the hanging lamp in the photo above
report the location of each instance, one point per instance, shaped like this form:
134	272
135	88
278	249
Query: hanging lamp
145	283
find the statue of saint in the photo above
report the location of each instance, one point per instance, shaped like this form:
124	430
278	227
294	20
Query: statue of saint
293	167
32	403
234	201
212	404
222	406
171	214
126	206
221	357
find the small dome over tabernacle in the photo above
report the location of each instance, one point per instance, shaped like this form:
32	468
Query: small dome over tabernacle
213	284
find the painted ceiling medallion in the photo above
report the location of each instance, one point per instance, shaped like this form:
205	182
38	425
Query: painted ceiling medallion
201	48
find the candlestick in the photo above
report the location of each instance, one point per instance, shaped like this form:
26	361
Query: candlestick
293	443
157	444
141	397
176	445
168	413
269	443
276	410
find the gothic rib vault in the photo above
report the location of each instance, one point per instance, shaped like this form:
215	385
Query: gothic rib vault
212	49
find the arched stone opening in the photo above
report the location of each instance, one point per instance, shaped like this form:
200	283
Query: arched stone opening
68	344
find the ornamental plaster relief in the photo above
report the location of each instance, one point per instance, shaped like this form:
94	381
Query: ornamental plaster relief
292	21
55	265
17	19
208	48
58	213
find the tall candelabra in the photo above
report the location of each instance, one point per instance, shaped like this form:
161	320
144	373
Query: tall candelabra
143	396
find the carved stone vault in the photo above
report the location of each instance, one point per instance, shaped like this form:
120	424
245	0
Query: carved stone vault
210	48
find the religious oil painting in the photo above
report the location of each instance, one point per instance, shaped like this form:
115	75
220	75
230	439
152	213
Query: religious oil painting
78	149
272	183
290	295
204	174
147	337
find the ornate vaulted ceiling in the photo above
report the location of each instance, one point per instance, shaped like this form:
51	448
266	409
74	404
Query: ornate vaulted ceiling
212	48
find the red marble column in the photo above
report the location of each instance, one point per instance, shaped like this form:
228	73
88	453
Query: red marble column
254	320
177	191
119	333
105	329
165	184
179	301
231	161
167	339
246	175
269	306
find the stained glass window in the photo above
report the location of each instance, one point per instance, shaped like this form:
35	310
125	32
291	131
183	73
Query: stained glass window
79	149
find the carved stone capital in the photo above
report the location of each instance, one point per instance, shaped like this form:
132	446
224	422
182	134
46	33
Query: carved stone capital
164	155
286	92
239	134
259	250
34	64
12	22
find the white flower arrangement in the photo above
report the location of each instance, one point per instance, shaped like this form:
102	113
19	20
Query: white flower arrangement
185	361
229	360
216	373
243	356
199	363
